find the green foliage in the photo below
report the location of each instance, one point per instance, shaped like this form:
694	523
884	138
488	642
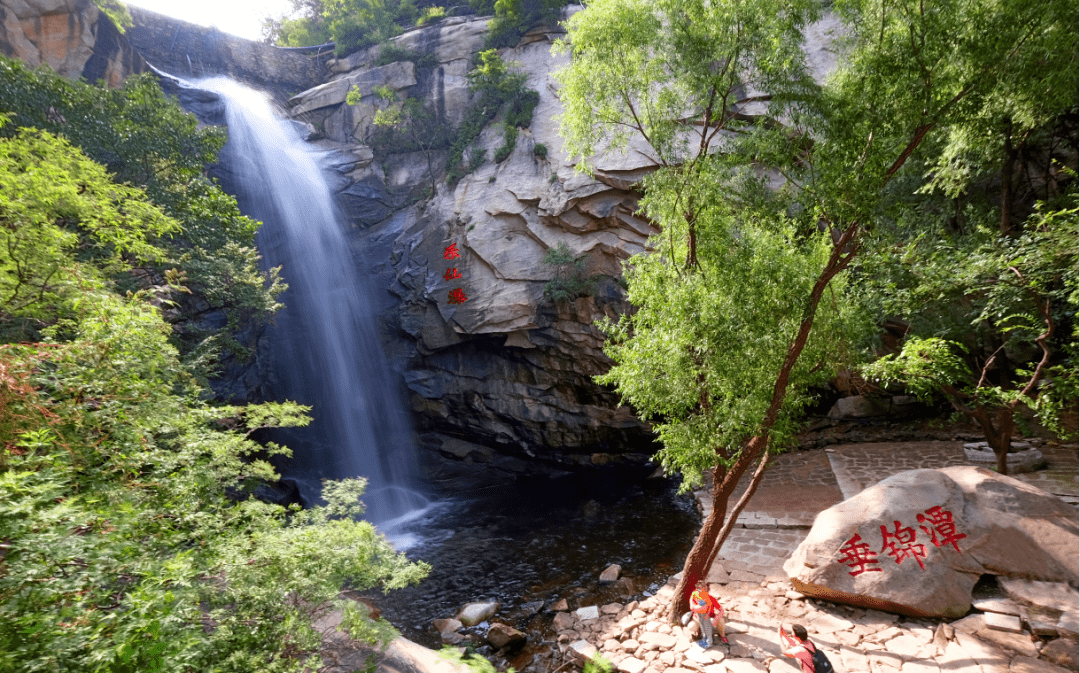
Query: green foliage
982	310
570	281
405	126
673	72
669	75
598	664
117	12
129	540
477	157
431	15
540	150
722	292
357	24
297	32
144	138
301	27
64	227
510	134
520	111
393	53
513	18
469	660
499	88
700	353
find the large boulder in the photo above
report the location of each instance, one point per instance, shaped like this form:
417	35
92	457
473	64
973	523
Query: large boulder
917	542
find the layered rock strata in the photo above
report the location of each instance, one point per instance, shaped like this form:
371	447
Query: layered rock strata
504	379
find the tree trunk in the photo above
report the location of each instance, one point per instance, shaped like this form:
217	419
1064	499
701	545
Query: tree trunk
998	430
710	539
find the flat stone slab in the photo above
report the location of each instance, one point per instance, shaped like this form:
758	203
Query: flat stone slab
587	613
631	665
1003	606
1022	664
584	651
1002	622
662	640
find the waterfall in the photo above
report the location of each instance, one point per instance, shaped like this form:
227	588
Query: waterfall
324	344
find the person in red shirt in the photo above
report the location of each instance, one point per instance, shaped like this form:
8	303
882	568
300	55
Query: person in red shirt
704	607
802	650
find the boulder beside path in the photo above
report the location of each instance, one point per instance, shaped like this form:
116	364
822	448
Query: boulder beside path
917	542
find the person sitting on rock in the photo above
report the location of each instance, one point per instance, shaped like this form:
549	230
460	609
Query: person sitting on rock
802	650
704	606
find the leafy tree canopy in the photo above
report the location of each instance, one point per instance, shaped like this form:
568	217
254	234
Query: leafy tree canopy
128	537
716	97
143	138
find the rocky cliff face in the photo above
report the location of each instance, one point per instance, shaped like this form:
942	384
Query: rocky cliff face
188	50
506	377
72	37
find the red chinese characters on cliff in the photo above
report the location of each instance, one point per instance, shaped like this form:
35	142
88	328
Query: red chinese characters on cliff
901	542
455	296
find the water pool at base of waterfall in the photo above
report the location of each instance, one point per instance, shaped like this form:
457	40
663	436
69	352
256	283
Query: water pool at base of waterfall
533	542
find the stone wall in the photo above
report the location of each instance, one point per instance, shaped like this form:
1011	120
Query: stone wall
189	50
72	37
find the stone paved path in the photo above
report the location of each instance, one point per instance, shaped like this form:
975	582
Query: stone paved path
749	581
800	484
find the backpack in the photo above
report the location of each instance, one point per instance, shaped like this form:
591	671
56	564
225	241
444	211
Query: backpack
821	662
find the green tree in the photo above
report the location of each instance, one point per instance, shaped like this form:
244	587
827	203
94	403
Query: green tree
63	227
144	138
570	281
410	119
128	537
977	303
676	79
513	18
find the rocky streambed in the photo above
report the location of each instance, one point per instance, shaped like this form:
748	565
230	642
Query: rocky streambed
537	547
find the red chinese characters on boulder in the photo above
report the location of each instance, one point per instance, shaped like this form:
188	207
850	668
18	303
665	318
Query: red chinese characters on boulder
455	296
942	528
857	555
901	542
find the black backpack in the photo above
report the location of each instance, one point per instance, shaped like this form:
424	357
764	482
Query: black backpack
821	662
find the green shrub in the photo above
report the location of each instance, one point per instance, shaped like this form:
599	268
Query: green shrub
570	281
510	134
392	53
130	538
520	112
514	18
540	150
477	158
431	15
500	89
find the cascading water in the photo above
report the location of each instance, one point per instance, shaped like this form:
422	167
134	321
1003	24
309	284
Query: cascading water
325	346
523	544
